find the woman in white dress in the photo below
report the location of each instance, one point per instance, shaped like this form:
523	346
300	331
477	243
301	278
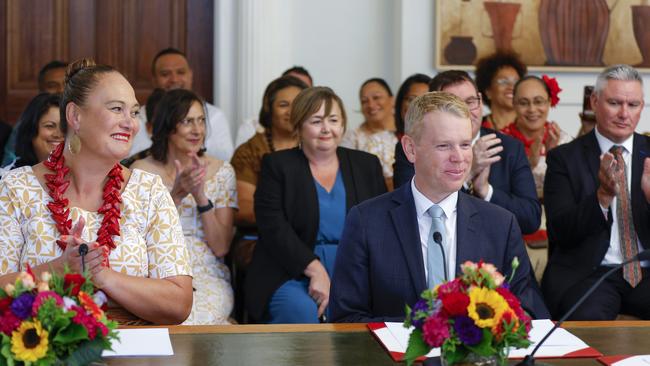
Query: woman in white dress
204	191
376	134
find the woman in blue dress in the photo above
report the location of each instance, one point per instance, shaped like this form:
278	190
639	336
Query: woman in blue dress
301	201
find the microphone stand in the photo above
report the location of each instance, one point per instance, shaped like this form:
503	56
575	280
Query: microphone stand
529	360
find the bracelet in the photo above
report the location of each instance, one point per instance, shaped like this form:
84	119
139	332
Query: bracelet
206	208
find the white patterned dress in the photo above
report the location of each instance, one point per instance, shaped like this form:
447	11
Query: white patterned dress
213	294
150	244
382	144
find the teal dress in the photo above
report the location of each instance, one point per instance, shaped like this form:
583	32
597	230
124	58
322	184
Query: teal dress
291	302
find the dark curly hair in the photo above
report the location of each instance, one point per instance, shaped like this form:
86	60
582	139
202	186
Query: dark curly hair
487	68
401	94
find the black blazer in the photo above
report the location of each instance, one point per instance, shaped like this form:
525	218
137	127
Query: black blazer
578	232
511	179
287	214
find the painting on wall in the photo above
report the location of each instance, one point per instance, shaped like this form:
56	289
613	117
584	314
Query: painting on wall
572	35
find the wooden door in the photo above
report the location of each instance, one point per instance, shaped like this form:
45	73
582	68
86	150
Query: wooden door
123	33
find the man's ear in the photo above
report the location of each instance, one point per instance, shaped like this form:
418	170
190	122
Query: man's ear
593	98
72	116
408	145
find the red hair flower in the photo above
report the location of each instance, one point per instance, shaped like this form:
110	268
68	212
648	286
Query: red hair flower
555	89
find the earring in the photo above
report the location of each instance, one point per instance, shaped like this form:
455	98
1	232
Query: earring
74	146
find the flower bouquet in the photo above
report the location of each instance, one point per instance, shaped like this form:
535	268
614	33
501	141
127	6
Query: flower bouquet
58	320
473	317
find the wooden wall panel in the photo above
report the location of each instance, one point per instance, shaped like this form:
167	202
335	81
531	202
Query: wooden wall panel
123	33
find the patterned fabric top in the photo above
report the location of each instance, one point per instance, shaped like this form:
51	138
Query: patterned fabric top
151	243
247	160
382	144
222	191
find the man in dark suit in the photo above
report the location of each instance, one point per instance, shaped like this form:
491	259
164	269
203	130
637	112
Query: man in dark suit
387	255
589	192
509	182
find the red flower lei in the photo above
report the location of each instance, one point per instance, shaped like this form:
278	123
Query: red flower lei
57	186
514	131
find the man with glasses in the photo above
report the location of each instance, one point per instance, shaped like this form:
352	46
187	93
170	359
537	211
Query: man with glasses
500	171
597	197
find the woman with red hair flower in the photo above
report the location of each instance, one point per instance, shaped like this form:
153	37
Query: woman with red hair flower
533	97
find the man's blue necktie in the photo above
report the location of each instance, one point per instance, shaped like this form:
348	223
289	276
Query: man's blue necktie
435	251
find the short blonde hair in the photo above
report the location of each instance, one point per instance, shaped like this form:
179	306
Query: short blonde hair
309	102
436	101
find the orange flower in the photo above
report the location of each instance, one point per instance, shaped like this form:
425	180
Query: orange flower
90	306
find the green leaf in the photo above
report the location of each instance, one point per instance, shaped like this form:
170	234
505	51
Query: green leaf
484	348
86	353
71	334
416	347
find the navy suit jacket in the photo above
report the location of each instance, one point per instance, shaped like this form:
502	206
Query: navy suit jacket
578	232
511	179
379	265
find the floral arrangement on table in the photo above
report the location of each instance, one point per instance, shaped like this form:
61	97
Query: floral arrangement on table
474	315
57	320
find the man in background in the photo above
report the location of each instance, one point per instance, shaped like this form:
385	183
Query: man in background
170	70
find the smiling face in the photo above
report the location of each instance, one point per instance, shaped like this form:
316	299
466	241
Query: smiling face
618	109
501	89
281	109
49	133
441	154
107	123
531	105
376	103
172	71
190	132
322	133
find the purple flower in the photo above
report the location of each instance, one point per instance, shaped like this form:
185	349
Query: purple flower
467	331
22	305
421	305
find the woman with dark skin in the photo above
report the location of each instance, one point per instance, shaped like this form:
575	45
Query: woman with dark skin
39	130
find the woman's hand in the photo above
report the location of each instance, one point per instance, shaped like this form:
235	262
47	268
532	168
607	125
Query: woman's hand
94	258
190	179
319	284
553	137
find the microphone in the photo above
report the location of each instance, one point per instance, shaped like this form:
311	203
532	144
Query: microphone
83	250
437	237
529	360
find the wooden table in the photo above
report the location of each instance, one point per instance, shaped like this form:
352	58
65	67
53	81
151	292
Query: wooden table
345	344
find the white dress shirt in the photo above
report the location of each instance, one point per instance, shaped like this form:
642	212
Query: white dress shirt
448	205
218	140
614	255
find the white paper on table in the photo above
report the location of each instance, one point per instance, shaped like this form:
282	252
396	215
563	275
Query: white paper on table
634	361
561	342
141	342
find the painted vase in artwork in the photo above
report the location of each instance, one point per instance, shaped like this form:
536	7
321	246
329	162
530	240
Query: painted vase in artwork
641	26
574	32
502	19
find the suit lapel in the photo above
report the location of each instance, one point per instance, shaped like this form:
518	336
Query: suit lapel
466	232
592	155
405	224
348	178
640	151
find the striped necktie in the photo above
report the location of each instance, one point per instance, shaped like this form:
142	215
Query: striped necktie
625	222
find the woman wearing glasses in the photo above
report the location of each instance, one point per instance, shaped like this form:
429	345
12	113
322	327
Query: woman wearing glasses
533	98
496	76
204	192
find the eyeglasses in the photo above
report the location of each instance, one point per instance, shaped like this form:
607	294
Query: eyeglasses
199	122
525	103
473	102
506	81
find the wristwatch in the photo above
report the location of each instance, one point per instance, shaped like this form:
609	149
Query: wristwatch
206	208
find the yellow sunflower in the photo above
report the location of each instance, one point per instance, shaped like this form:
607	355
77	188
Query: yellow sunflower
486	306
29	342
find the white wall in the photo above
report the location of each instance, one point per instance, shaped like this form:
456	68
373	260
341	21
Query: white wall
342	43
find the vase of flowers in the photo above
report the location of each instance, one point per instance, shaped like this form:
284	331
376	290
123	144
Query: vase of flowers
54	320
474	318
